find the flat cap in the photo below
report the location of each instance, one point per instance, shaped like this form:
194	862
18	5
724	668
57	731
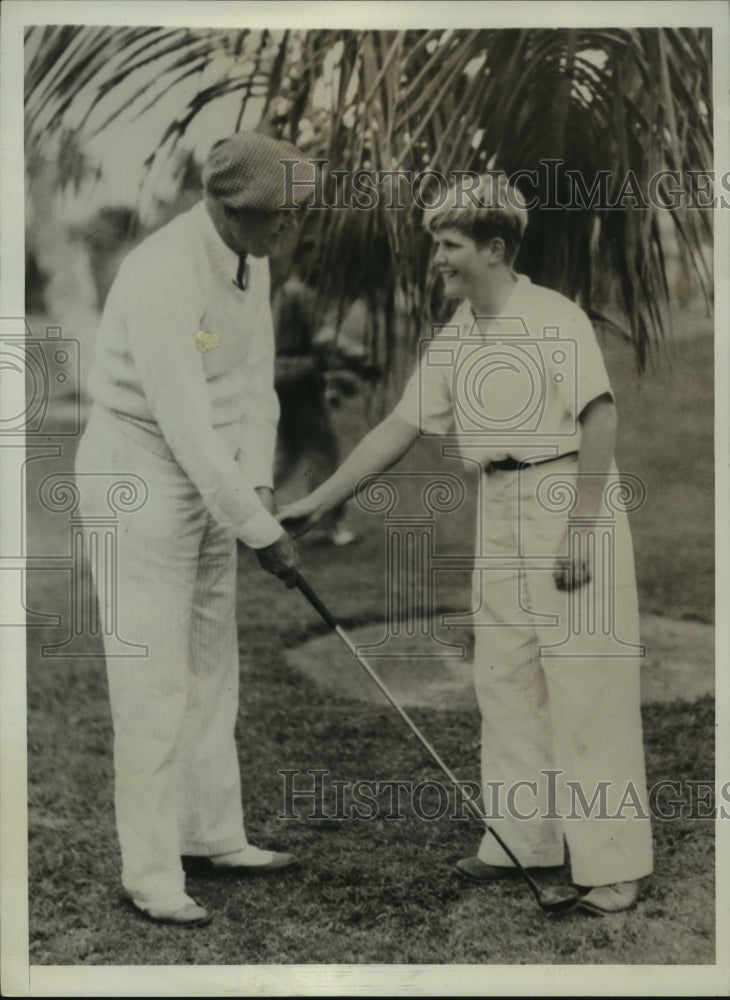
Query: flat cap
244	171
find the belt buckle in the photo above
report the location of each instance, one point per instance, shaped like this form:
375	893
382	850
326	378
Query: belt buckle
493	466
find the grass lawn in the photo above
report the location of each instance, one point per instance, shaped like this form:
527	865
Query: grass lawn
384	890
666	435
379	891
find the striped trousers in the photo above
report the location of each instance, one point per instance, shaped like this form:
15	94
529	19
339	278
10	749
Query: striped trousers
557	680
177	783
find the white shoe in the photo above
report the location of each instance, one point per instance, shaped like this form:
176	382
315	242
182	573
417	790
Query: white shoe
614	898
249	860
181	910
253	859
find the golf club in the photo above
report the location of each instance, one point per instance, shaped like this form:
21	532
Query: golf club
552	901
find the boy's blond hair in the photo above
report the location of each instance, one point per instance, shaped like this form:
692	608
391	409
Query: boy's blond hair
495	208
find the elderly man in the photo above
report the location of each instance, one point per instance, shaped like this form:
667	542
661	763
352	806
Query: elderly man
183	397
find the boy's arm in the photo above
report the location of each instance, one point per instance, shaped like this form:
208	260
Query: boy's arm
595	460
378	451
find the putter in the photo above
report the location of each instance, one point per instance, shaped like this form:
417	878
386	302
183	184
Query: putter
551	901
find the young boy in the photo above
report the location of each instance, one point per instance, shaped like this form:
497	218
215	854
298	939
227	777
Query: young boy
517	380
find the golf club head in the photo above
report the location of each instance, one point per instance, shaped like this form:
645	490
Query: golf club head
558	900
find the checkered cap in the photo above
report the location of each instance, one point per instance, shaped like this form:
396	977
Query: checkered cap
244	171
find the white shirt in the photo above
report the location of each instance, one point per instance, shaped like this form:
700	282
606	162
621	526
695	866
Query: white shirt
511	385
185	360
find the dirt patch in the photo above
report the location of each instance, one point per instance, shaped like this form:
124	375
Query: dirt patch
679	665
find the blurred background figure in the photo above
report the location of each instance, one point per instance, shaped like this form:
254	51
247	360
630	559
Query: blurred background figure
311	378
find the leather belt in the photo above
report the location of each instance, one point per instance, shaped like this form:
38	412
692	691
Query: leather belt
512	464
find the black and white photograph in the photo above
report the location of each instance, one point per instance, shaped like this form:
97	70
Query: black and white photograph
365	443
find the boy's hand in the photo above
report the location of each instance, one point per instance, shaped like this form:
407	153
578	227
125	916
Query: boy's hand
575	569
298	517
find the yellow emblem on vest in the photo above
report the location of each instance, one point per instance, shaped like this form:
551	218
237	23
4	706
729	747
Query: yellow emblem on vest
206	341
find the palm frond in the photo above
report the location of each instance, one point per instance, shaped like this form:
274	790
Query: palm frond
634	101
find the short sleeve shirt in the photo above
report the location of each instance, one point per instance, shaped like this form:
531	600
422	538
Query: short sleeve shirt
512	385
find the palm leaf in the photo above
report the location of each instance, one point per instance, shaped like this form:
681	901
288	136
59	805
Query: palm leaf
636	100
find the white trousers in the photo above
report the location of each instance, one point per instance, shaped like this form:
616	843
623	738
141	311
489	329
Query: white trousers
557	680
177	783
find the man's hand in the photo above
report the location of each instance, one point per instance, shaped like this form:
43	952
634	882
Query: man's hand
266	497
280	559
575	569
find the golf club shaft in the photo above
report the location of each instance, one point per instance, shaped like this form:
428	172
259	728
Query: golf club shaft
329	618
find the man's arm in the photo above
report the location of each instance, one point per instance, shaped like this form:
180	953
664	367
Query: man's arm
385	445
161	317
595	459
